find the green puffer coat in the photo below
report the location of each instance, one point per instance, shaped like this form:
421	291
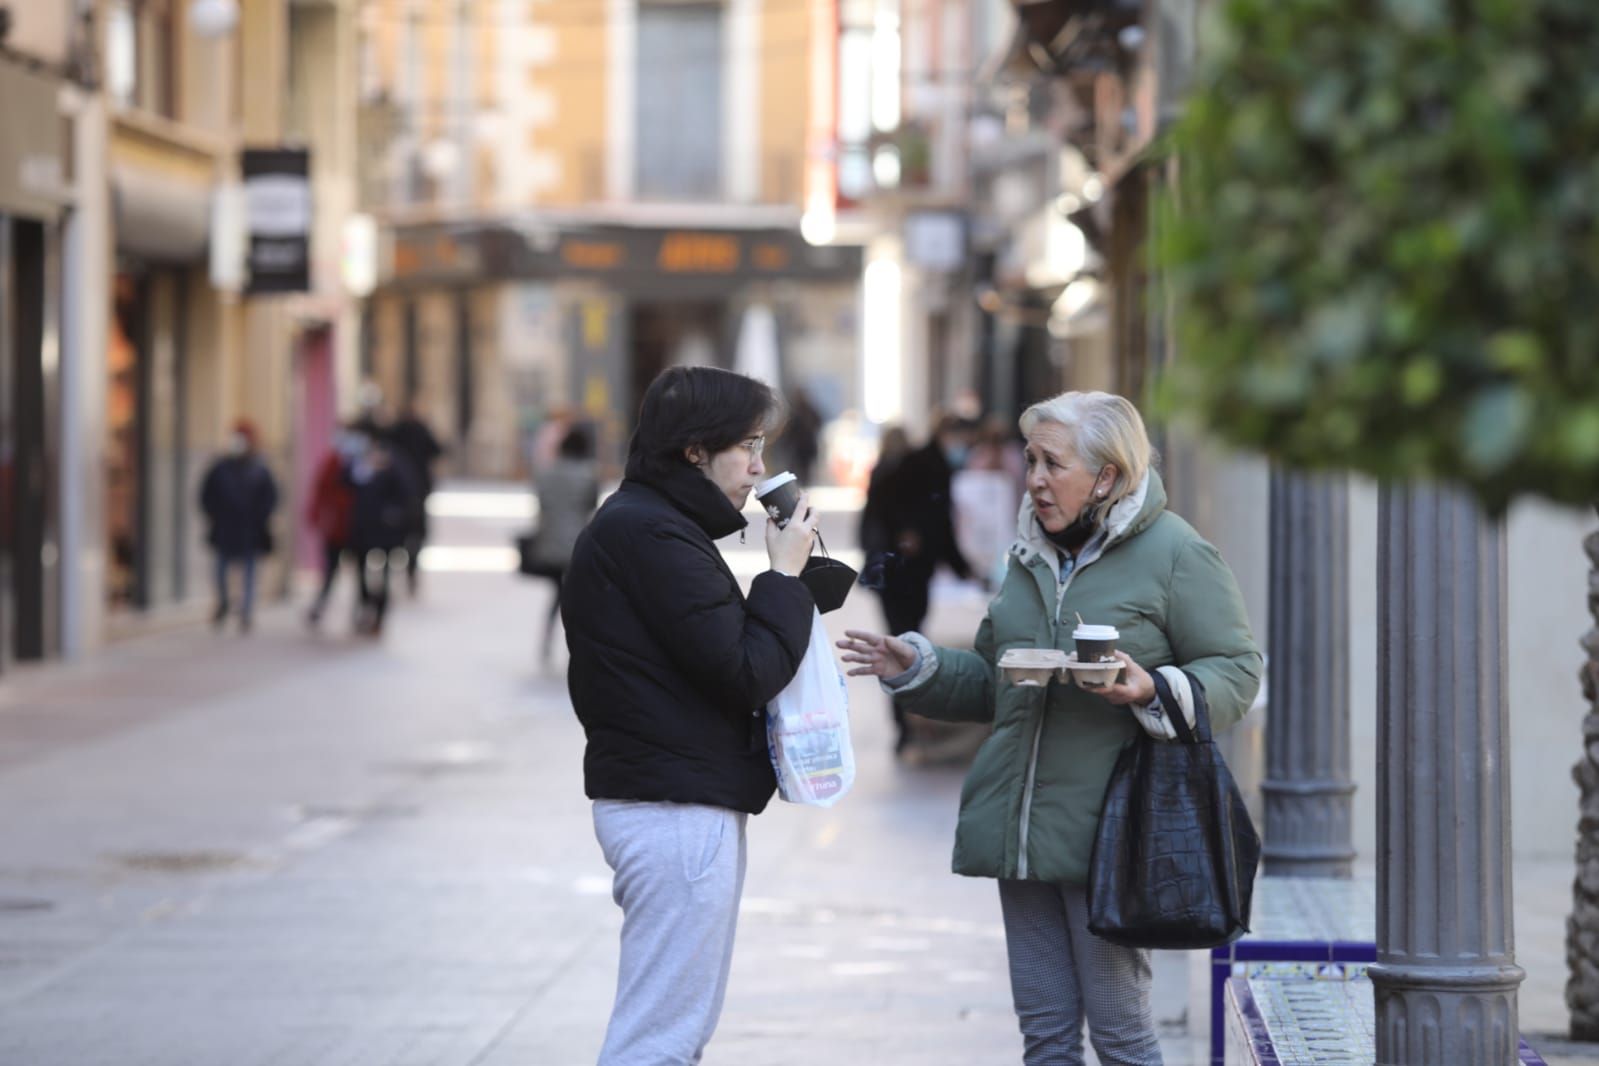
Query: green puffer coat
1031	802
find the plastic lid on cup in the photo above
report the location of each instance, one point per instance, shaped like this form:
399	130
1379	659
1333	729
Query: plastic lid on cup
1091	632
776	481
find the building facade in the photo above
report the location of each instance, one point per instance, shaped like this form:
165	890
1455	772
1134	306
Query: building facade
133	334
624	194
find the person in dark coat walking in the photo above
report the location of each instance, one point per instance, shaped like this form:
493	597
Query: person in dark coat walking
877	526
417	448
238	497
802	437
671	670
921	522
920	532
384	498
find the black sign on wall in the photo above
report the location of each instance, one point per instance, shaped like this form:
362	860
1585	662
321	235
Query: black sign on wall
277	197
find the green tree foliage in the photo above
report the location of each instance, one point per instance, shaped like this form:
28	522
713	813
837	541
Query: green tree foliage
1382	240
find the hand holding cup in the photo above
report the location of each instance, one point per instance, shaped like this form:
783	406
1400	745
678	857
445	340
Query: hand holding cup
788	546
1136	686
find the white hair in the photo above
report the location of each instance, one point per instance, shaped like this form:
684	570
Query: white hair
1103	429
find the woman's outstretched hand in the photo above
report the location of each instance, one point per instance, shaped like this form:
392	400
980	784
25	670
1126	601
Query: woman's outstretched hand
877	655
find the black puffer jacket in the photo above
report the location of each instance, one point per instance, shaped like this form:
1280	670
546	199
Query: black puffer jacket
238	496
671	666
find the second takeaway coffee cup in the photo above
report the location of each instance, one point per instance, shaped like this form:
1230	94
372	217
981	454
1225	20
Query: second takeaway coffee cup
779	494
1095	644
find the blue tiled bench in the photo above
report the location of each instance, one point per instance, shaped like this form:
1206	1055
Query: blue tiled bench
1287	1022
1302	928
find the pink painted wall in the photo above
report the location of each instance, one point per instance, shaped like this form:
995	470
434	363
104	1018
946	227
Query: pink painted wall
317	421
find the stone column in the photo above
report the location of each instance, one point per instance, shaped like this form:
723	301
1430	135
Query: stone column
1308	790
1582	928
1446	975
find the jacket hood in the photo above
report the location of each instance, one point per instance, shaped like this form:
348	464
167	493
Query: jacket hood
694	494
1131	516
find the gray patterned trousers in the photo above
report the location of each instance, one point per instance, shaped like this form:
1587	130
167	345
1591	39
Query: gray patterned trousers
1060	974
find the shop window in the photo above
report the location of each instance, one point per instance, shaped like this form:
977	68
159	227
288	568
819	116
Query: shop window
142	38
124	465
679	101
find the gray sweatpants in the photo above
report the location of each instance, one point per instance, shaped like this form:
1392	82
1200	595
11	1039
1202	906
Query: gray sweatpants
1060	973
679	873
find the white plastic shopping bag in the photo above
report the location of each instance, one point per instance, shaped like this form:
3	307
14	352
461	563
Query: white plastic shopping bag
807	729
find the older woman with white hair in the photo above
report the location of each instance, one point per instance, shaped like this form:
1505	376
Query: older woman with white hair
1095	540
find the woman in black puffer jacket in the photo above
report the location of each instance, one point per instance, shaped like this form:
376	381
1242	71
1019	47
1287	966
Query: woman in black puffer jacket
671	670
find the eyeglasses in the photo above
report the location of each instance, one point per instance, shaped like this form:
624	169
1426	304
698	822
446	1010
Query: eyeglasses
755	446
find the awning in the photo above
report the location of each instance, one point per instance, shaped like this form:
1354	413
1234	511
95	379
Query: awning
160	218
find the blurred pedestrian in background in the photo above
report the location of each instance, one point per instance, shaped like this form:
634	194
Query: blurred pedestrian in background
385	501
238	497
998	447
417	449
877	529
369	421
917	513
802	437
331	512
1094	540
547	438
672	668
986	494
568	490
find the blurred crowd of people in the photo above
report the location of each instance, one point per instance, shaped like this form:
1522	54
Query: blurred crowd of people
949	501
368	504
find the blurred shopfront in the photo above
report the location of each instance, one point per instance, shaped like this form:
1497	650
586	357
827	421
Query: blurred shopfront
34	197
161	300
493	328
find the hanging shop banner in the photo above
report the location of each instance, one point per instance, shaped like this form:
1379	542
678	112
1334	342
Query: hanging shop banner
277	195
33	143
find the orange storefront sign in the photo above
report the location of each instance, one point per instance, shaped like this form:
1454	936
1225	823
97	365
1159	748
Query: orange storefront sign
592	255
698	253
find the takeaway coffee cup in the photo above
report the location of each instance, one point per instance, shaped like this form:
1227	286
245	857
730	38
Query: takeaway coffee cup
779	494
1095	644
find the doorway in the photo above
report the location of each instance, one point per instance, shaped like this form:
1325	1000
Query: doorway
148	505
675	334
25	483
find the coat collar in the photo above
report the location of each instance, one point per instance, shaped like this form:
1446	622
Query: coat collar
694	494
1131	516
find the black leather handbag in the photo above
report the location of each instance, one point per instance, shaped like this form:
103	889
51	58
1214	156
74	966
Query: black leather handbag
1175	855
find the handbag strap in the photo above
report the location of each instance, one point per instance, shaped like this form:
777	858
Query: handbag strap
1199	733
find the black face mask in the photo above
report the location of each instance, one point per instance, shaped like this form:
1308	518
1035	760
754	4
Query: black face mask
1081	529
829	581
1074	536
